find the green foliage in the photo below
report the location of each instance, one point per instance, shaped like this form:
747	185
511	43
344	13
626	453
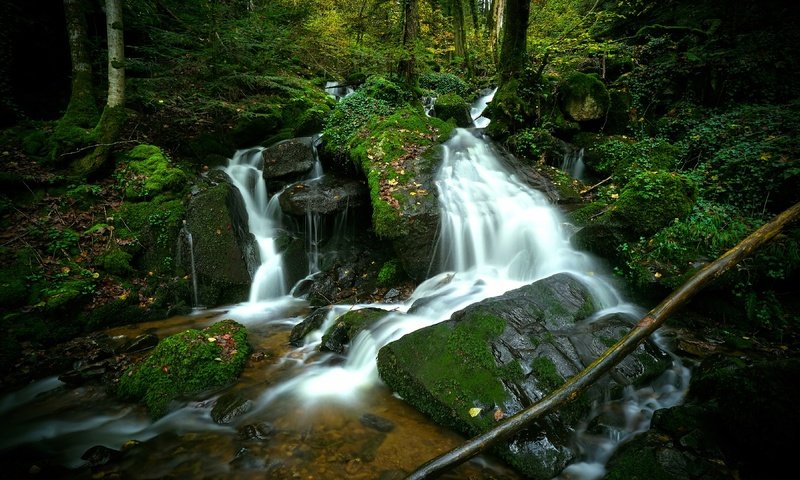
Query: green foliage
146	172
442	83
624	158
653	200
532	143
347	117
380	88
389	273
187	364
62	241
115	261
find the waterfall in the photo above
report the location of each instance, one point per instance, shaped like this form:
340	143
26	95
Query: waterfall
263	219
572	163
477	108
195	297
337	91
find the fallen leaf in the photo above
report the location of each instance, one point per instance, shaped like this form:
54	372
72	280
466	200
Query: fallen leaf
474	411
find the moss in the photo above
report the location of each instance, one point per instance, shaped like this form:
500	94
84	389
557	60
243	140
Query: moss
148	172
545	371
652	201
115	261
388	153
389	273
154	227
67	294
637	464
348	326
461	371
187	364
584	97
451	106
385	90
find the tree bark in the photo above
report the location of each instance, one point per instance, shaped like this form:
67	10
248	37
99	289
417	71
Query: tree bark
496	19
116	54
515	38
611	357
407	65
81	110
108	129
459	32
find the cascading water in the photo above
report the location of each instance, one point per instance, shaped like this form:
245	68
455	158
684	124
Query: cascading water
263	218
572	163
496	234
477	108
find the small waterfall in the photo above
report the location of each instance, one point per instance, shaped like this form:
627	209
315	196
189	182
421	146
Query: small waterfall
337	91
572	163
428	103
263	218
190	243
477	108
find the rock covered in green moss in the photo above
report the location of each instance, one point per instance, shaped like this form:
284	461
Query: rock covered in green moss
348	326
651	201
186	364
148	172
505	353
584	97
452	106
397	156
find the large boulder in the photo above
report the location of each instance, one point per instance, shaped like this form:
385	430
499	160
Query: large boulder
452	106
330	195
292	157
498	356
584	97
224	251
186	364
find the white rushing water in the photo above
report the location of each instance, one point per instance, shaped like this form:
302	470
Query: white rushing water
477	108
497	234
263	219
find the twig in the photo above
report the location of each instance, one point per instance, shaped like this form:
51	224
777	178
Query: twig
589	189
97	145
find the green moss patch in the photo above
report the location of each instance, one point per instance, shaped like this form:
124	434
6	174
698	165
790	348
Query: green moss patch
187	364
146	172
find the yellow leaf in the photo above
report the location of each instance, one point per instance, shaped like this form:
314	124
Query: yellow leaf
412	193
615	196
474	411
212	339
392	181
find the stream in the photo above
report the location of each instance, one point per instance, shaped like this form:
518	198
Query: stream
326	416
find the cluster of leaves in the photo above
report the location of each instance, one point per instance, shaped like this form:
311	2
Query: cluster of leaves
442	83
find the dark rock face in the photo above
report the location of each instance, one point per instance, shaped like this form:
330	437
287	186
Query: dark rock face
348	326
289	158
312	322
229	407
224	250
330	195
498	356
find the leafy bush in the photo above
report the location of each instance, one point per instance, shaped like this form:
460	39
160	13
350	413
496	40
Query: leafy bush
347	117
442	83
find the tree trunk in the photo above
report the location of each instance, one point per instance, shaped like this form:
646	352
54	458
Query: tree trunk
496	19
459	33
81	110
116	54
611	357
515	38
108	129
406	67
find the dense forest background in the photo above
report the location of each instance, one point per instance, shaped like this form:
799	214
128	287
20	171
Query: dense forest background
697	97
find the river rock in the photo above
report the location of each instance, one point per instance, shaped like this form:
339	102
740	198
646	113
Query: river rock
312	322
225	253
584	97
498	356
289	158
330	195
230	406
452	106
348	326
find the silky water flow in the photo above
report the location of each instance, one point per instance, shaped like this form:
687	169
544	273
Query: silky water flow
496	234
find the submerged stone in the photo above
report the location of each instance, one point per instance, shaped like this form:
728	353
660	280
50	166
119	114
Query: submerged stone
230	406
498	356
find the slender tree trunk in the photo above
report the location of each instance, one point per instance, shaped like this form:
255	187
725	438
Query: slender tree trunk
459	32
108	129
81	110
116	54
515	38
611	357
407	65
496	18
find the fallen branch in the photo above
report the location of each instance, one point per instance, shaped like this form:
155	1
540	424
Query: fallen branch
611	357
589	189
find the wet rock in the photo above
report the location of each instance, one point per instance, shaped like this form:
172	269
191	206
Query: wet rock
376	423
452	106
312	322
256	431
224	251
142	342
330	195
506	353
289	158
584	97
229	407
100	455
391	295
347	327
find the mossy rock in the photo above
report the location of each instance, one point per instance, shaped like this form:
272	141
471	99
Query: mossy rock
148	172
387	91
348	326
187	364
504	353
443	83
452	106
152	229
509	110
584	97
652	201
